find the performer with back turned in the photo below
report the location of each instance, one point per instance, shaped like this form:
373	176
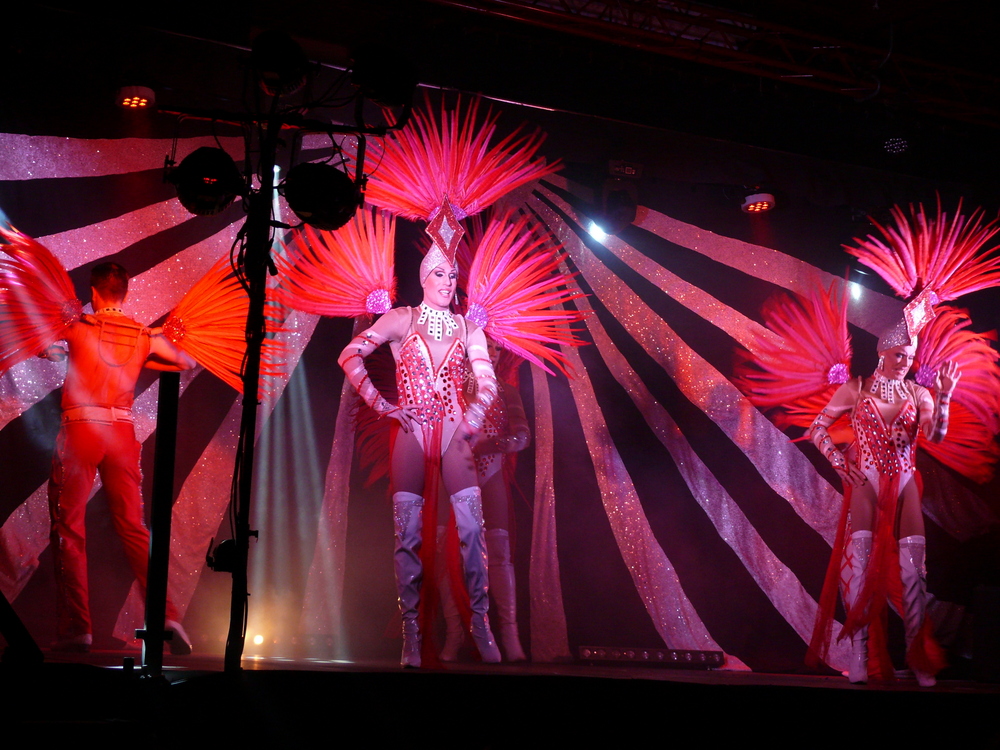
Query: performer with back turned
107	352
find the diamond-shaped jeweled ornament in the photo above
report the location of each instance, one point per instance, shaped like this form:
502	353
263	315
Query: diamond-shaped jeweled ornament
445	230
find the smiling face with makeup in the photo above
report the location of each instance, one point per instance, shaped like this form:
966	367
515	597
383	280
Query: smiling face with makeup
897	361
439	286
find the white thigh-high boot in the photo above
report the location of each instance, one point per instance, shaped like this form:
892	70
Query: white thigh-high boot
407	511
914	579
454	632
468	508
861	548
502	587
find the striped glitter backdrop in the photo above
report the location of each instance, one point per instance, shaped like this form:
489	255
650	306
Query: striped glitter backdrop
655	506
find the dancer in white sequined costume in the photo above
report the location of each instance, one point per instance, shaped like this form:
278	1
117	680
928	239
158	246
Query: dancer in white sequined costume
882	493
434	349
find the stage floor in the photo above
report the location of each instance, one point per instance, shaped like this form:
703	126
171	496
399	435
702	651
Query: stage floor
281	702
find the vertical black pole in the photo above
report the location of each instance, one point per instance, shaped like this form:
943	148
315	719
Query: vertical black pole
159	537
256	261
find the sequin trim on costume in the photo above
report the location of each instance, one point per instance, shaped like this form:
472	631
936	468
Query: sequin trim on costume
472	497
888	389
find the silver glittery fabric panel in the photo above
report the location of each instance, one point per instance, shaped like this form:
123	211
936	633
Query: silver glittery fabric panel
204	496
31	157
775	579
549	641
870	310
75	247
322	609
155	292
793	477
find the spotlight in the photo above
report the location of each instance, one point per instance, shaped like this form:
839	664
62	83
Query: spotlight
320	195
136	97
596	232
207	181
279	62
758	203
619	200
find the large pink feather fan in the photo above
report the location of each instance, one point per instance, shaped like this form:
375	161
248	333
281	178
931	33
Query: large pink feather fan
943	254
808	358
37	300
450	156
516	291
344	273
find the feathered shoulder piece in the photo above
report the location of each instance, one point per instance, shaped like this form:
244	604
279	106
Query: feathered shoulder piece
516	289
37	300
345	273
806	360
210	322
449	156
969	446
941	254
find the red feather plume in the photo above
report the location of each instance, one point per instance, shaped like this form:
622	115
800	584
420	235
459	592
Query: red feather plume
345	273
942	254
210	322
37	300
516	288
451	156
810	359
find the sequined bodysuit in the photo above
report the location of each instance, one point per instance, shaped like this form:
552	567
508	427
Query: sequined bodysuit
885	451
437	391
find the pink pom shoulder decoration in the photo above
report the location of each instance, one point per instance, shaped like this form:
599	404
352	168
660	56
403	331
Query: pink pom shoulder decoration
809	360
37	300
942	254
450	156
516	290
210	325
342	274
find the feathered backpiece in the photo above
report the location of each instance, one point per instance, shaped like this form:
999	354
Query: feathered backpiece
345	273
969	447
37	300
942	254
947	338
806	361
515	289
210	322
450	156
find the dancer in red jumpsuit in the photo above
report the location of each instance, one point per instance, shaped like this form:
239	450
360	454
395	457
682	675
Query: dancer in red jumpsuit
107	352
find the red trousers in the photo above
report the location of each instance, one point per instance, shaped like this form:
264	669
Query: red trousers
82	449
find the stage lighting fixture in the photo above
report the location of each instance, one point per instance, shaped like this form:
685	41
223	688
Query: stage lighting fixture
653	657
619	200
279	62
896	145
320	195
136	97
207	181
384	75
758	203
595	231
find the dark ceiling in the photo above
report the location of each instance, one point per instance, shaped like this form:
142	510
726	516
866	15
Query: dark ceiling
832	80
